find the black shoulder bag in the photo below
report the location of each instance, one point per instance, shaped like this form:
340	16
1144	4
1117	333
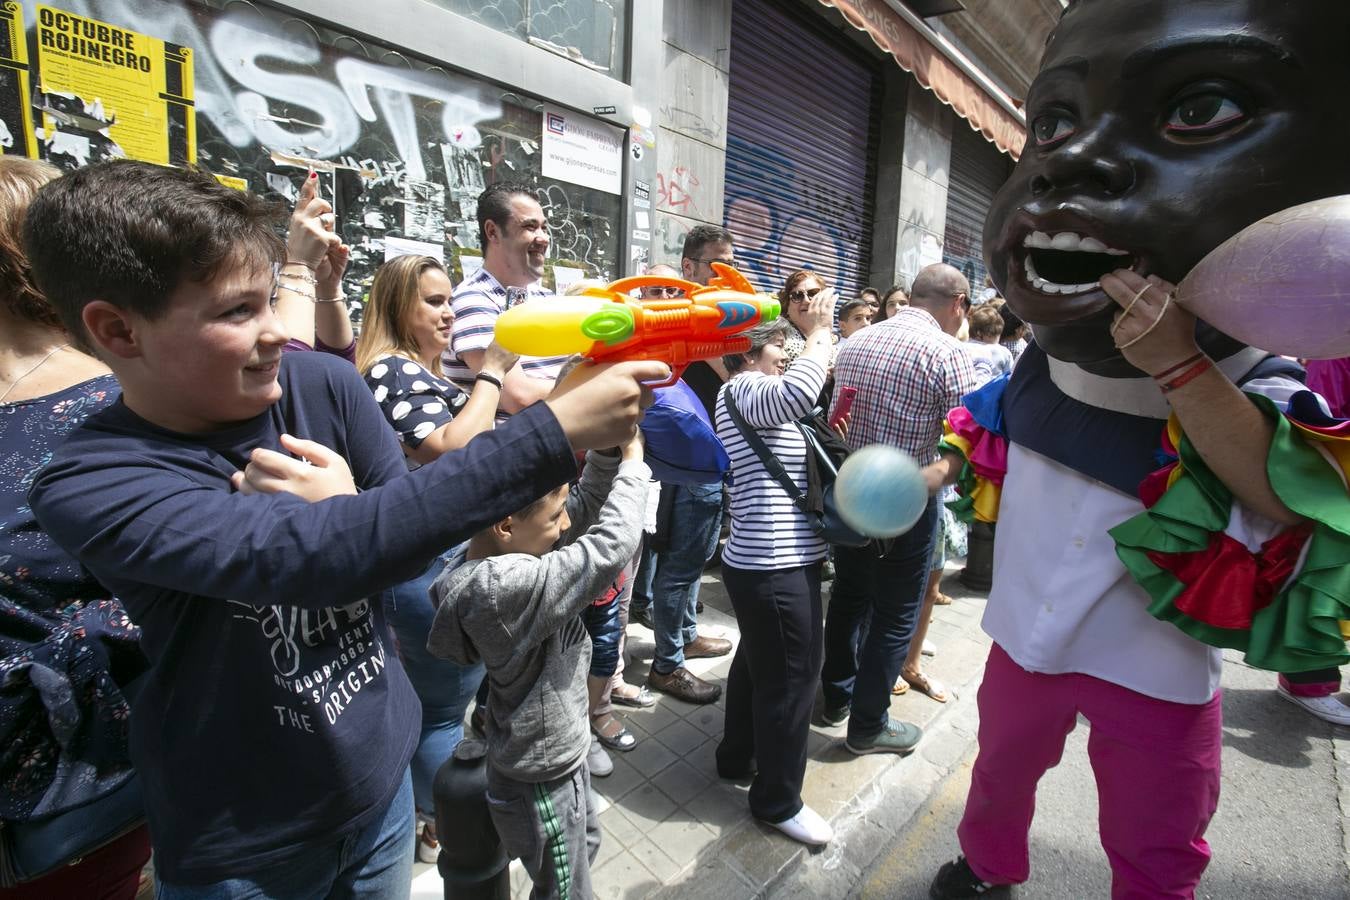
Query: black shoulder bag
818	503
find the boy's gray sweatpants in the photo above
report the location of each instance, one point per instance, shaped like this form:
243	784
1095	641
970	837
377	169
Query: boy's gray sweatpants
551	827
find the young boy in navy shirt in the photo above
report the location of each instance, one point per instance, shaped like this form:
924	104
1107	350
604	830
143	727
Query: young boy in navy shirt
274	731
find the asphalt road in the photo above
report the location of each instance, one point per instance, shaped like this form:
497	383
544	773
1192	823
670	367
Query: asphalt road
1280	832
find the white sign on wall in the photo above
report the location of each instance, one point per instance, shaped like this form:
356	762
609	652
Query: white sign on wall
582	150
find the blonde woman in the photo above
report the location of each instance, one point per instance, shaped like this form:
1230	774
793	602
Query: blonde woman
407	326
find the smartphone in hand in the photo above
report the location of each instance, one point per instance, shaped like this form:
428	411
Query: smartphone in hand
841	409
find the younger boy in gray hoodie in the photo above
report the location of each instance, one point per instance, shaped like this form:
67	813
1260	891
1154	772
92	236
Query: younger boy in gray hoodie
513	597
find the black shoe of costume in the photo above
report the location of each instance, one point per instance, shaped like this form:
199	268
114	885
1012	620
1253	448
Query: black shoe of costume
955	881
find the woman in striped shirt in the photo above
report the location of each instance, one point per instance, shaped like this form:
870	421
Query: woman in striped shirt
771	568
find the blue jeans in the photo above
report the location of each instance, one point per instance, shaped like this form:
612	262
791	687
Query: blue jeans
602	624
445	688
668	581
374	863
873	609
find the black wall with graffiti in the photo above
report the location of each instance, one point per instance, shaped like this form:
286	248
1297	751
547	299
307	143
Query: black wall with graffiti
404	145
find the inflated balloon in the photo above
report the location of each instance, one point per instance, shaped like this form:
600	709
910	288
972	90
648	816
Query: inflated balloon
880	492
1281	284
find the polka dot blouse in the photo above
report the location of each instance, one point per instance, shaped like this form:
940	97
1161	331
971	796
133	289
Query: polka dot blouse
415	402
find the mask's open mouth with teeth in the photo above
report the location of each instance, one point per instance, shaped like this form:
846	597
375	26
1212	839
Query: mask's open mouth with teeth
1069	263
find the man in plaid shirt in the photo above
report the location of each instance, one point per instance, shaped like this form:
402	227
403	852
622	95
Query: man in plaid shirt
910	371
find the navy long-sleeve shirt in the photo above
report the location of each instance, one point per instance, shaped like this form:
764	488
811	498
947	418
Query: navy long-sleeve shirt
276	715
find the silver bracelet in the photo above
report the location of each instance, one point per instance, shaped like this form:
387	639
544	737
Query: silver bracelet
305	291
307	276
341	296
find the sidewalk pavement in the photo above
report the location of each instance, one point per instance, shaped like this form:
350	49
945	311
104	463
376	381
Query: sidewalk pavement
671	828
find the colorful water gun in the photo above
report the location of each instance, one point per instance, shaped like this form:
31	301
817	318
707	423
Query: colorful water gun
606	325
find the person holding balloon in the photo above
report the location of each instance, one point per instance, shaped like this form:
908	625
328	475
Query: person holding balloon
771	567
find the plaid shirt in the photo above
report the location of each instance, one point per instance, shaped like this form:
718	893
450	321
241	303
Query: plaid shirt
909	375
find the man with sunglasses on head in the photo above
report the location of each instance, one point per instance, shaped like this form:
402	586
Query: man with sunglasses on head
668	579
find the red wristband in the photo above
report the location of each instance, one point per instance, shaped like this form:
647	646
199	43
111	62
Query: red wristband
1181	365
1187	376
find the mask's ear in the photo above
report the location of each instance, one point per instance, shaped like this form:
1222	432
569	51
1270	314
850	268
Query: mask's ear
687	267
112	330
503	530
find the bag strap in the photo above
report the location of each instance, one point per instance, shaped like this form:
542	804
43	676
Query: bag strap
772	464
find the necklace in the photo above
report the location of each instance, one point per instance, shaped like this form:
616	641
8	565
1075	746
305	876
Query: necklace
41	362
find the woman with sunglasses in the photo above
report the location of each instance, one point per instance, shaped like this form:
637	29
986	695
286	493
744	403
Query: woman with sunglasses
771	567
802	287
405	331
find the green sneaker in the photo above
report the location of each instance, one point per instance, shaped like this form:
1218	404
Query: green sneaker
896	737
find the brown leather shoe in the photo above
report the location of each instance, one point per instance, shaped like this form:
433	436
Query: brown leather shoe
684	685
706	647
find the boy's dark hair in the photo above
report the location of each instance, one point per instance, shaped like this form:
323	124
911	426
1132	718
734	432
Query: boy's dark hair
130	233
494	204
857	303
868	290
701	236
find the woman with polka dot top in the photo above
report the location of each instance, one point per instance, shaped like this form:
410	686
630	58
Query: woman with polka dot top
406	328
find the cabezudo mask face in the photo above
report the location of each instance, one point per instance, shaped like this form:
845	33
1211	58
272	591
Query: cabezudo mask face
1156	130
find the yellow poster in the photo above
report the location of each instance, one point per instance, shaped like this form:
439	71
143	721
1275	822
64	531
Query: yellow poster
16	114
107	92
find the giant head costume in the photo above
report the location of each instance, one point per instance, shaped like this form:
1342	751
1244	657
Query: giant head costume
1156	130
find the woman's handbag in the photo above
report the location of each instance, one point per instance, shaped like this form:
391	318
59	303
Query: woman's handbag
817	504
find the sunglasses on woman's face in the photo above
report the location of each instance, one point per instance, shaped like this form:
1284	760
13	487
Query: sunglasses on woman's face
801	296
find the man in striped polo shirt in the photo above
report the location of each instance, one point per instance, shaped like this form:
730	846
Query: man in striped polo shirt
513	233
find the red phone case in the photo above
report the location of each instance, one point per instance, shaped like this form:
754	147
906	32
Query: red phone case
846	395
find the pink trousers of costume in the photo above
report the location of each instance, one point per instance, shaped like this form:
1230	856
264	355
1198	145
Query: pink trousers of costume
1156	765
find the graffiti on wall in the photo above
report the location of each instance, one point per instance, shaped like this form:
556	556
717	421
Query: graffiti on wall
677	191
784	220
404	148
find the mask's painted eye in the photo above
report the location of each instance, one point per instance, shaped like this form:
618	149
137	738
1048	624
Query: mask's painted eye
1204	114
1049	129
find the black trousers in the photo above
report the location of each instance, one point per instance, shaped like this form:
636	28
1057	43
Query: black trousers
772	685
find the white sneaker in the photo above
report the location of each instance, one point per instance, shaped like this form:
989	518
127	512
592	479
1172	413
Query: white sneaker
1328	709
928	649
428	848
598	761
806	826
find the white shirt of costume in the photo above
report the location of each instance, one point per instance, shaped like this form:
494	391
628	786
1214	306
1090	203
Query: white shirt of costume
1062	601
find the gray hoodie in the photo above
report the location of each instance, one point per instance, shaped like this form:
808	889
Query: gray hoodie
521	615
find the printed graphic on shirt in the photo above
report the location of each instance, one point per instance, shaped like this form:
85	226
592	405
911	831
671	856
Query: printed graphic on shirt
323	658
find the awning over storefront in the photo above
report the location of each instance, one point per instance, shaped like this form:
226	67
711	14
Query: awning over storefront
985	107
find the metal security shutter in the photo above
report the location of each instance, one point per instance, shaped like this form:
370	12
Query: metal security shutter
801	147
978	170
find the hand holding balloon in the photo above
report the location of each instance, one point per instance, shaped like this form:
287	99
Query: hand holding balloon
880	491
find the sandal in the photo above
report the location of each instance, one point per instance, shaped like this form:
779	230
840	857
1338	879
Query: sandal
925	685
641	698
611	733
942	600
900	687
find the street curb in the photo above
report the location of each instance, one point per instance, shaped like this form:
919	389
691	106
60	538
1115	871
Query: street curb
865	828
